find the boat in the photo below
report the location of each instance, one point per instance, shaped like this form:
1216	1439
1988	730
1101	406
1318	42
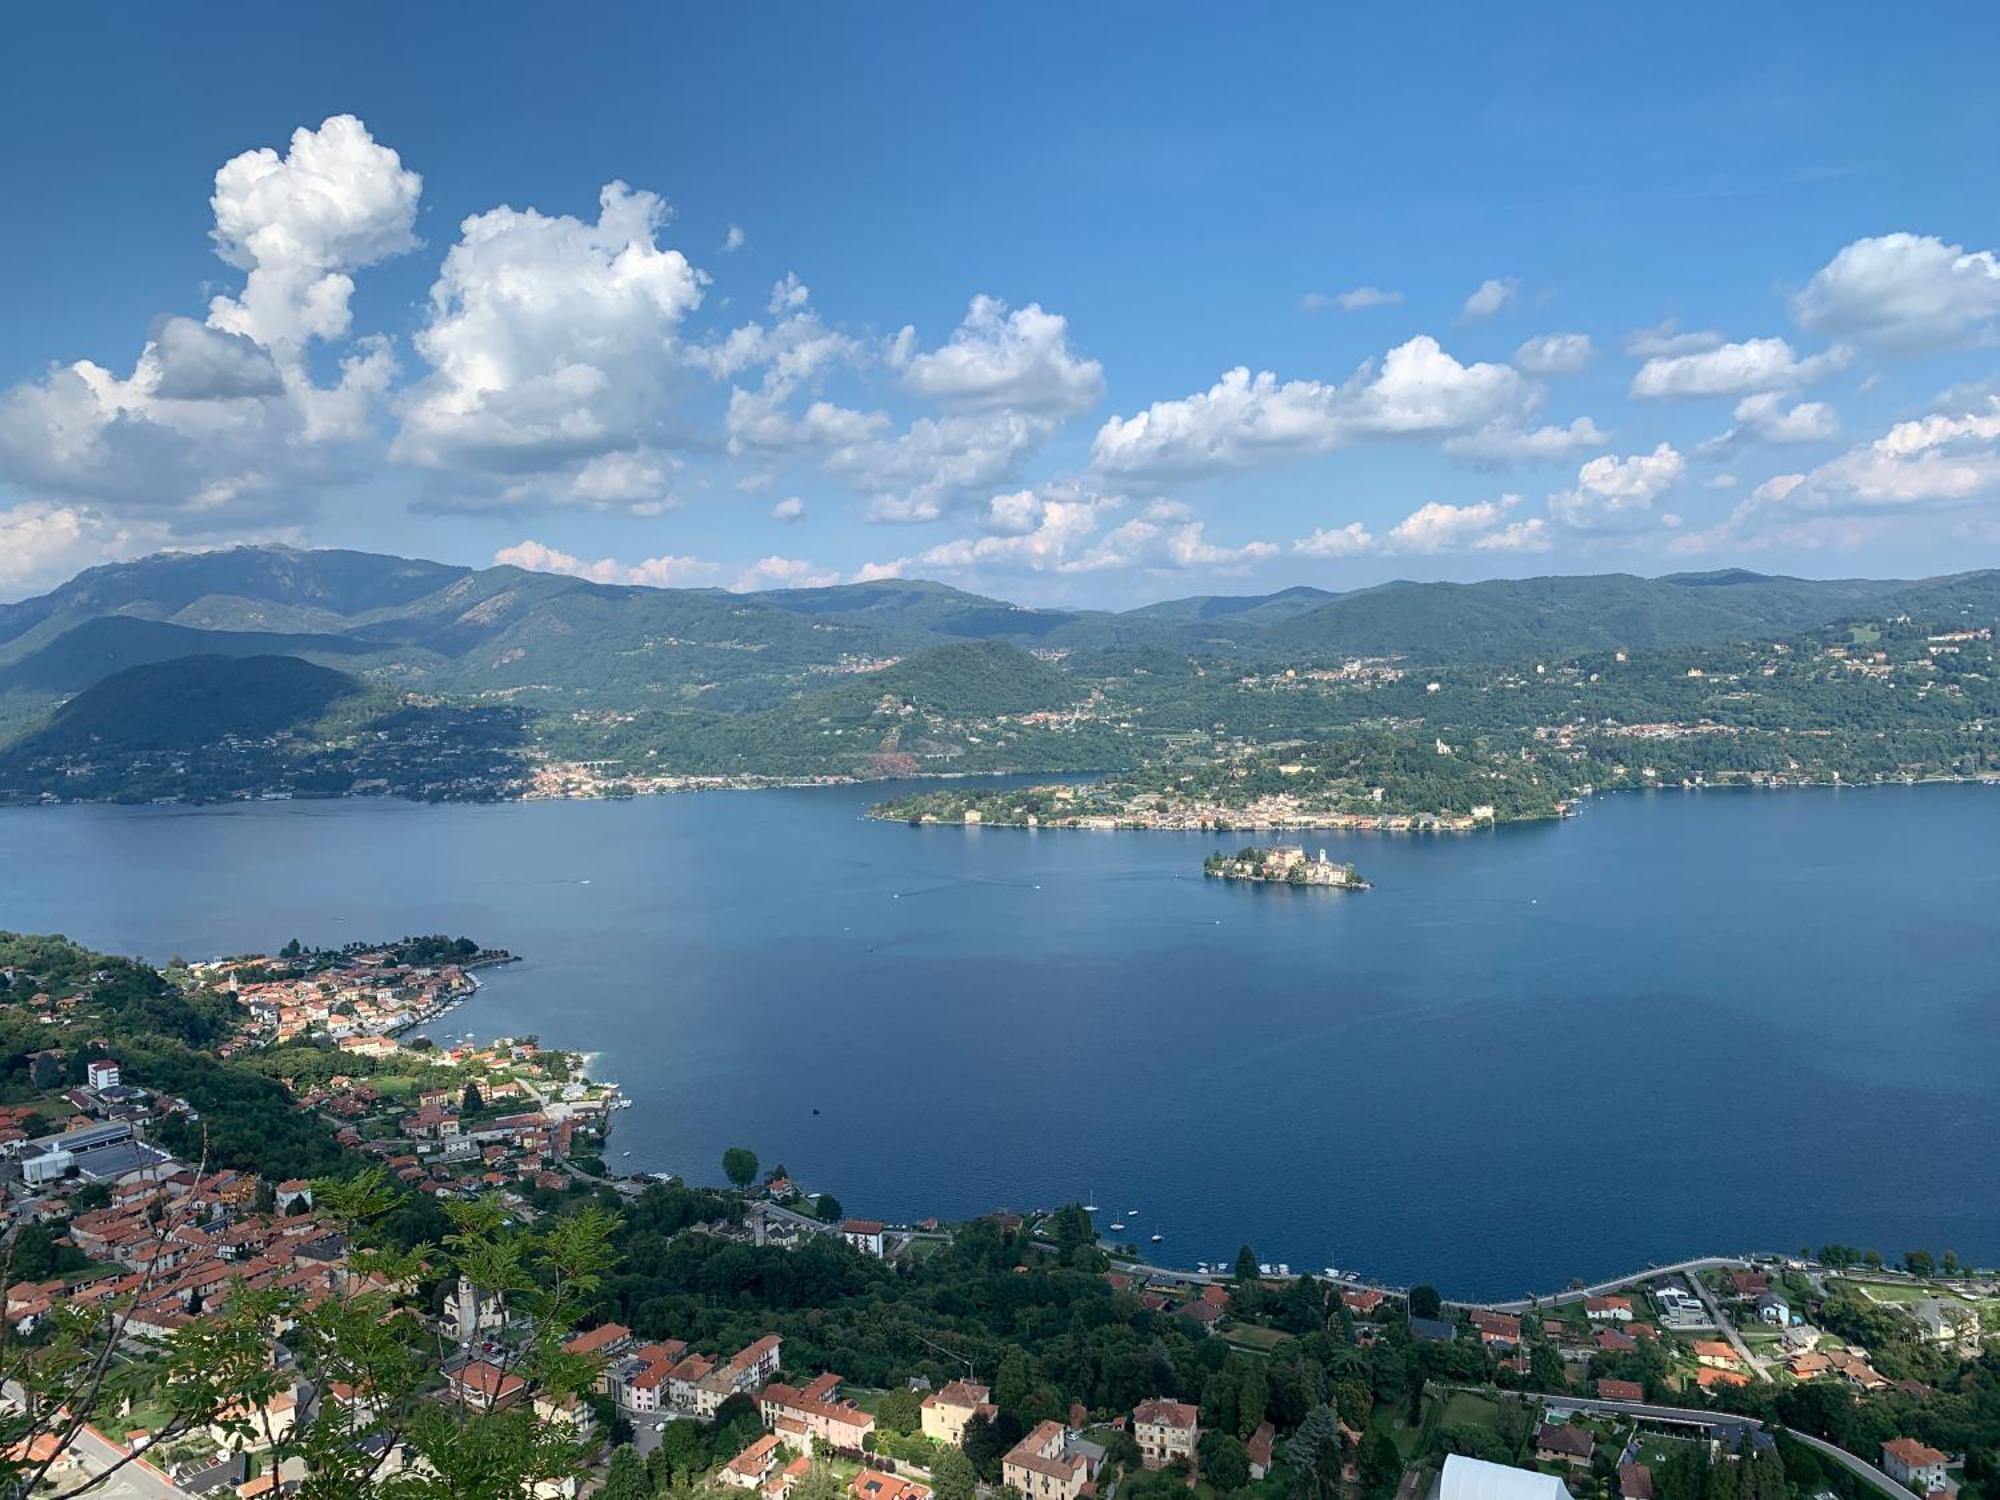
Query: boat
1131	1213
1090	1208
1117	1223
1157	1237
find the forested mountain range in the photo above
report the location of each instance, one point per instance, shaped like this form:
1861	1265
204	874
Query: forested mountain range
876	678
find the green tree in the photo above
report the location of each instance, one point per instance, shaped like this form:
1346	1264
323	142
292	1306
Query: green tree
1379	1465
470	1102
1252	1397
827	1209
1246	1265
1010	1385
1224	1463
1919	1263
47	1073
1314	1450
953	1477
900	1411
739	1165
1425	1301
625	1478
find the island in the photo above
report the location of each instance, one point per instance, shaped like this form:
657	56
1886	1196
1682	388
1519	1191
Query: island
1283	864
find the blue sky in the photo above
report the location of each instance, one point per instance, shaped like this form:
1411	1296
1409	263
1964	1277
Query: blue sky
953	294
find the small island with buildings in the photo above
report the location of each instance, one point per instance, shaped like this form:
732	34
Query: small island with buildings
1283	864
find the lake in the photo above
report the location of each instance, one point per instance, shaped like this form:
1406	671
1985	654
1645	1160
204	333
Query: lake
1677	1024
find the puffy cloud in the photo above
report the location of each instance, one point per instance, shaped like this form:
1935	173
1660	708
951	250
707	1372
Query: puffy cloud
551	343
1508	442
661	572
937	461
1905	291
1617	494
1006	382
1433	528
1351	540
1244	421
301	223
1360	299
220	426
783	573
1437	527
1166	537
1934	461
1767	418
1554	354
998	360
1734	370
42	544
1061	529
733	240
789	510
1488	298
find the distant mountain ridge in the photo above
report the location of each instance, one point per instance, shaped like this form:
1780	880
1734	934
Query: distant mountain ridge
505	632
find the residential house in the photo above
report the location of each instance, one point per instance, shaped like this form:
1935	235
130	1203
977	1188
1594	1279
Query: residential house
751	1469
947	1409
1165	1431
1497	1328
1635	1482
1041	1467
484	1386
1771	1308
744	1373
873	1484
1913	1465
1258	1446
1608	1309
865	1235
1716	1354
1560	1443
818	1412
1620	1390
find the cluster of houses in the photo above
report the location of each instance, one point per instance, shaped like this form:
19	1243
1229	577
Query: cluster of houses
662	1380
183	1242
1201	1305
362	995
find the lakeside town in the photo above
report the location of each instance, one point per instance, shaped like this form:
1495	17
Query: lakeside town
115	1208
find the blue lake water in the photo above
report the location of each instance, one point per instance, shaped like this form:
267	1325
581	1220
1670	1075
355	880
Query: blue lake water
1674	1025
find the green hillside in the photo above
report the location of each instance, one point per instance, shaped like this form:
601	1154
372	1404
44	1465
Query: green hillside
188	702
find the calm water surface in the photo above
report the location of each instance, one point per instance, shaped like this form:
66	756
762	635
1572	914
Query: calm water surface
1674	1025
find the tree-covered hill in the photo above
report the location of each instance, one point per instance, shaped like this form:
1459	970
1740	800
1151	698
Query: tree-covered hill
188	702
99	647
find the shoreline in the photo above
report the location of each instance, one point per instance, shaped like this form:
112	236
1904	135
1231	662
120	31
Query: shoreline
1367	823
1413	823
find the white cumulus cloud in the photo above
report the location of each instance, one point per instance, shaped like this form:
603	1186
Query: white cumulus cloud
1010	361
1618	494
1905	291
1244	421
551	343
1734	370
